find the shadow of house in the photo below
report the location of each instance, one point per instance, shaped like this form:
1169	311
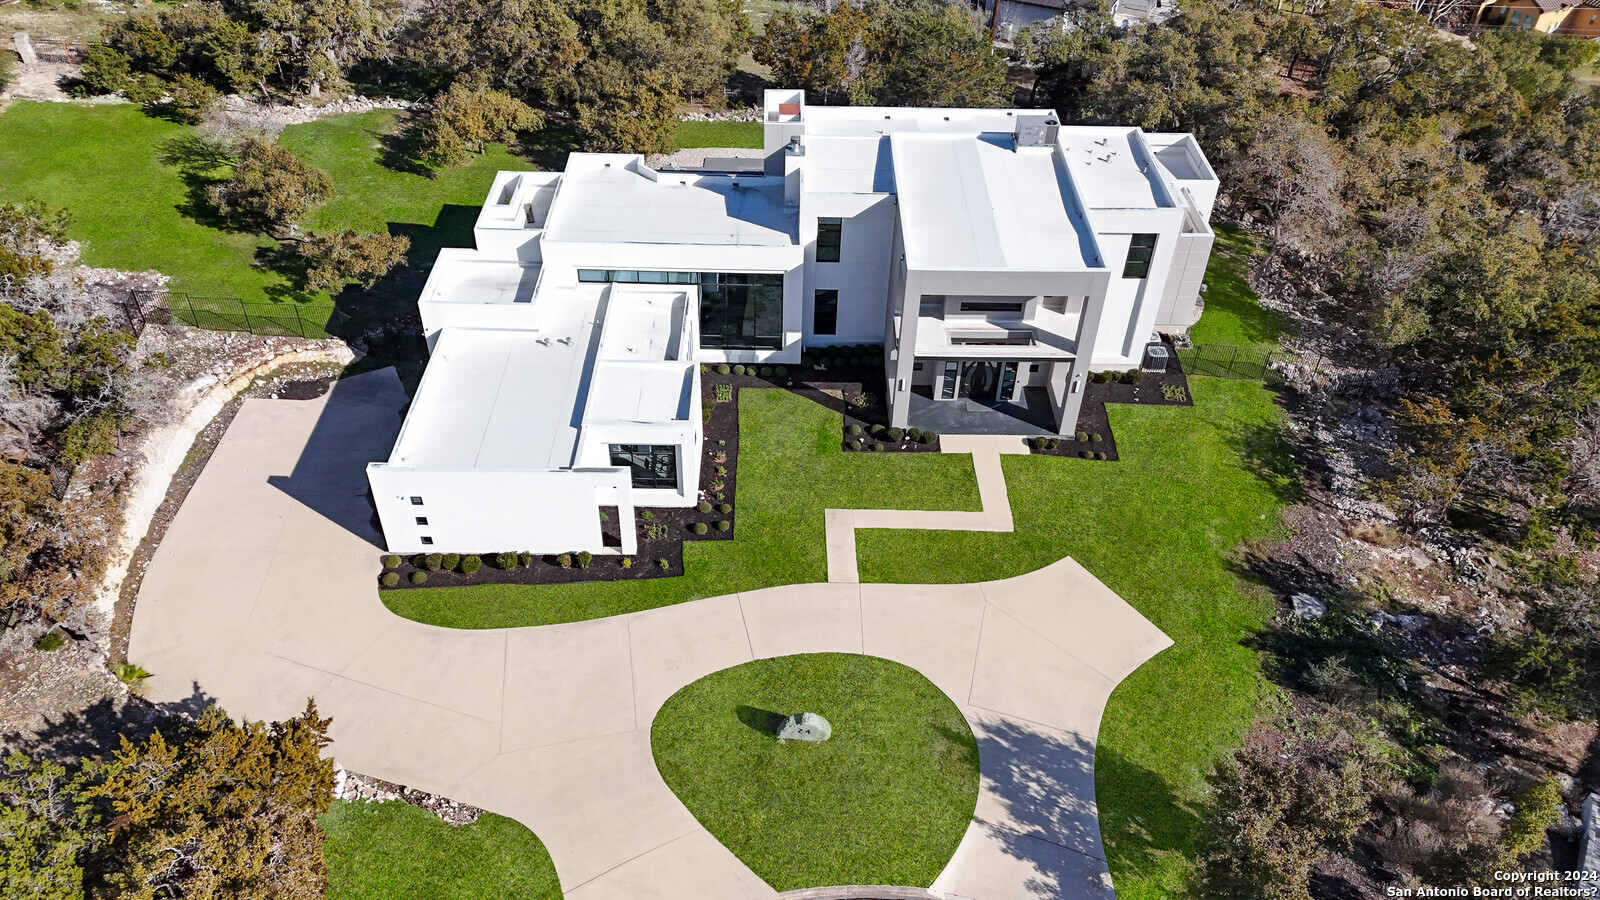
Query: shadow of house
358	425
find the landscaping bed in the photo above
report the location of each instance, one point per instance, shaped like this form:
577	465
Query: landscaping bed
1093	436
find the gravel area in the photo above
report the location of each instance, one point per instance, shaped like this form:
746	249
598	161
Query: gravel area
696	157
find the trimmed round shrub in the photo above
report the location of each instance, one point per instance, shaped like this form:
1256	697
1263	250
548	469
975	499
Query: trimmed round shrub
1086	454
914	435
895	434
470	564
780	371
390	579
1052	444
1039	443
505	560
877	446
723	525
451	561
434	561
838	362
1097	378
724	369
391	562
929	437
524	559
851	445
419	577
766	371
1095	438
564	560
702	506
855	360
52	640
724	508
583	558
661	563
698	528
853	430
1081	436
738	370
626	562
1099	454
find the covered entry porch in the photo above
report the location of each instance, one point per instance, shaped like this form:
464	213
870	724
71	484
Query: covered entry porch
988	394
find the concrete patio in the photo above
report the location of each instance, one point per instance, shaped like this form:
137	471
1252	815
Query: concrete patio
264	593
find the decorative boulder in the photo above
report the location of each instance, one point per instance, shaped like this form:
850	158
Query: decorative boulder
805	727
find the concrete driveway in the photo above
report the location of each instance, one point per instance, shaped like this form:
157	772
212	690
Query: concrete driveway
264	593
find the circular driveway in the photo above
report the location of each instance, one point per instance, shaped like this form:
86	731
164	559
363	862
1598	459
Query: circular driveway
263	593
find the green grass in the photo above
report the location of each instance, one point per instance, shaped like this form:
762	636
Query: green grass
718	134
134	211
791	468
1234	315
396	851
884	801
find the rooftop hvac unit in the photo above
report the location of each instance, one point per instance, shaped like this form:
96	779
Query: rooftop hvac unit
1036	131
1155	357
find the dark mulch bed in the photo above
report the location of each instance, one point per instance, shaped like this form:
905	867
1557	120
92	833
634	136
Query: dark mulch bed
545	569
1092	418
1092	421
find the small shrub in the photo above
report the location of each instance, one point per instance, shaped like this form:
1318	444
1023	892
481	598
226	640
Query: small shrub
724	508
52	640
1052	443
877	430
704	369
655	531
144	88
724	369
583	558
723	393
718	485
930	437
855	361
564	560
505	560
1174	393
914	435
877	446
524	559
1095	438
895	435
434	561
451	561
419	561
738	370
1132	376
722	470
853	430
390	579
132	675
391	562
766	372
719	496
698	528
1100	454
1098	378
661	563
1040	443
419	577
1081	436
780	371
646	514
470	565
722	443
724	525
626	562
851	446
1085	454
702	506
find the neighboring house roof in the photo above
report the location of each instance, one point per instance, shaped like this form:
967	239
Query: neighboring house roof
1043	4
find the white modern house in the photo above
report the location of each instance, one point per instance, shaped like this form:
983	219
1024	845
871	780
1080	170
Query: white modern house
998	256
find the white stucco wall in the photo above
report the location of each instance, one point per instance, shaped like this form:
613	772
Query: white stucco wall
490	511
861	276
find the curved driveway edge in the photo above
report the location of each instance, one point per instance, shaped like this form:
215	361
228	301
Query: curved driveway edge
264	593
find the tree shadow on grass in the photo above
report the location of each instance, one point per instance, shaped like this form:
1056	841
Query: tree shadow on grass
1228	290
402	150
1141	819
201	163
1269	454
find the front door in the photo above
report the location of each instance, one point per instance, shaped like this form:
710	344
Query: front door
980	379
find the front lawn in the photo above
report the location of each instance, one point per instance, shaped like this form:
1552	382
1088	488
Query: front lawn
885	800
396	851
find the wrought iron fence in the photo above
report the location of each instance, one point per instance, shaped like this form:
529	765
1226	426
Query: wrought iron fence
235	314
1224	361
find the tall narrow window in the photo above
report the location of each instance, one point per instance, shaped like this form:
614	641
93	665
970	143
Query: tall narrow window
951	370
1139	252
830	233
825	312
651	465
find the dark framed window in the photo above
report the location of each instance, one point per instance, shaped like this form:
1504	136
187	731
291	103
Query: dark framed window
916	366
990	306
416	501
652	465
422	520
740	311
427	540
951	370
1139	252
825	312
830	235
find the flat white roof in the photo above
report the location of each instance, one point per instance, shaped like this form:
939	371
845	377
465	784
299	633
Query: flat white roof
615	198
976	203
1112	168
466	276
863	121
848	165
500	399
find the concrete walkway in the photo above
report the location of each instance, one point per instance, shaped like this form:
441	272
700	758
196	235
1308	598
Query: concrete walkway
264	594
841	524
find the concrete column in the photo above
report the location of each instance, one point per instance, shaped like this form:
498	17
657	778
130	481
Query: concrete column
898	389
1078	375
626	526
